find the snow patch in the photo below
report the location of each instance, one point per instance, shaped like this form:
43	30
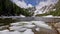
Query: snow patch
28	31
48	16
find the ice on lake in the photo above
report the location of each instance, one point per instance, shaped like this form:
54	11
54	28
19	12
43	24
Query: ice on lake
25	27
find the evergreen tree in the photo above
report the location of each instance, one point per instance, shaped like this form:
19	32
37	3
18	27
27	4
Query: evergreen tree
7	8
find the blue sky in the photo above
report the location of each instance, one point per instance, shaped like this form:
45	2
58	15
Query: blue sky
33	2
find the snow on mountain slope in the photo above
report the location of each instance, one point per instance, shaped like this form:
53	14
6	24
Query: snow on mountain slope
43	6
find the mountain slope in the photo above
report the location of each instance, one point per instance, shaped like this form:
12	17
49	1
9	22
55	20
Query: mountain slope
8	8
55	11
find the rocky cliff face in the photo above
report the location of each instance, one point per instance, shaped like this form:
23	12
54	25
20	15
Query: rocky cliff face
44	7
52	9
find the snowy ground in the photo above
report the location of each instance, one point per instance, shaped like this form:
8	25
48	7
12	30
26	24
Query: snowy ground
26	27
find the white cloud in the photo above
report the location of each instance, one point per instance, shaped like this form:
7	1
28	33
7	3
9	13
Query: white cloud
29	5
21	4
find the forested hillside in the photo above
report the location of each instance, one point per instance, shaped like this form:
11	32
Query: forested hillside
7	8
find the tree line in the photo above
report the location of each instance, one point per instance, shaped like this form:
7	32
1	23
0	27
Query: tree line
7	8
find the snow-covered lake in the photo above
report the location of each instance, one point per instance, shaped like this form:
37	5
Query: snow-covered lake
27	27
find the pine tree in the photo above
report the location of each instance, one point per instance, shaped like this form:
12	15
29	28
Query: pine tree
7	8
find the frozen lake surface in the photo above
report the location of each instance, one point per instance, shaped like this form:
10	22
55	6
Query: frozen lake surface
25	27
